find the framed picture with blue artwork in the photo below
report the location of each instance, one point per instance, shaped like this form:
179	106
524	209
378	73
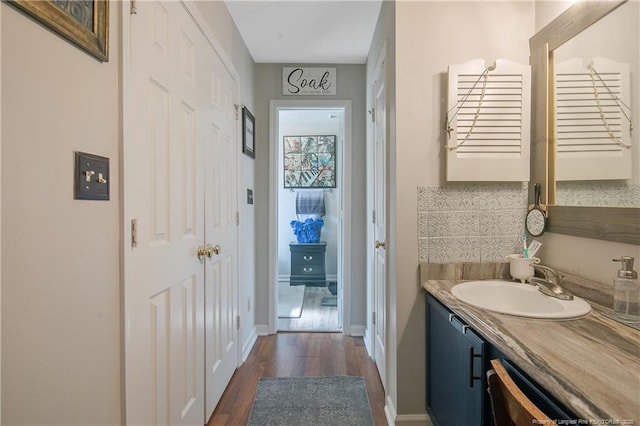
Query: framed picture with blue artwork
309	161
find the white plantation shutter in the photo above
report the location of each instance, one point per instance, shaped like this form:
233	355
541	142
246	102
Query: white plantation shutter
592	132
488	121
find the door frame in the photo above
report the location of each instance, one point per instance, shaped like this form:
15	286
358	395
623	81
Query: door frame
344	178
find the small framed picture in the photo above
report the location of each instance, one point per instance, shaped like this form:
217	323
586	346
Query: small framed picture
248	132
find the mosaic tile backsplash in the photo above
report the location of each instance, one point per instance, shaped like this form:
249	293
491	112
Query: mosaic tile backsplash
598	194
470	222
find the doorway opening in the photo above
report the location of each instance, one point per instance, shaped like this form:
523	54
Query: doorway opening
309	165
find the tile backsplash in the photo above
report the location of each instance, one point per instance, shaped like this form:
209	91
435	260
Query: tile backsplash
470	222
598	194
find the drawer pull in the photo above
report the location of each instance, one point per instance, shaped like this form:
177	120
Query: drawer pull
307	257
471	357
307	269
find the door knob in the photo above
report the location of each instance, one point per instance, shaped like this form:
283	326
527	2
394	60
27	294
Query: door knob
211	250
202	252
379	244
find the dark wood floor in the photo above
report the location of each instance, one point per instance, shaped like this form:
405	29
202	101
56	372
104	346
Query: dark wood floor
298	354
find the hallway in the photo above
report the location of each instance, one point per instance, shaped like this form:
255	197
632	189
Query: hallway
298	354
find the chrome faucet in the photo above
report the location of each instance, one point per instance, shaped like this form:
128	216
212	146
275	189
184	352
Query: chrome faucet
551	284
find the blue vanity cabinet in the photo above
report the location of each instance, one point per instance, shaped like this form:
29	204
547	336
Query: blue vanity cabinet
456	366
457	361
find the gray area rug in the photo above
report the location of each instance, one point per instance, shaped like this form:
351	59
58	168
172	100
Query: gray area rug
298	401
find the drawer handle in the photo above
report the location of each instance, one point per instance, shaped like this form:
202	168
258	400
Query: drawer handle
307	257
471	357
307	269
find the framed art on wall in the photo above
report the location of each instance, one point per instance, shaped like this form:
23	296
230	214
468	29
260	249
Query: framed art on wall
84	23
310	161
248	132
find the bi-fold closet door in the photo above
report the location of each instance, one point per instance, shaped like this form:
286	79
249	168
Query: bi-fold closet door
180	254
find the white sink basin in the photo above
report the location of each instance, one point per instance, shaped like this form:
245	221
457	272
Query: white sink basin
518	299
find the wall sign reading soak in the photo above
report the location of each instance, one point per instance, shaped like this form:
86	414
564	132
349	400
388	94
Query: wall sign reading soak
308	81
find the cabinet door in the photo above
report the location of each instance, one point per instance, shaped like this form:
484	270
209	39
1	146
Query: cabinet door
455	355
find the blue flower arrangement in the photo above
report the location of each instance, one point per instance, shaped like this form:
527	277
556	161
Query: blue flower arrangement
307	231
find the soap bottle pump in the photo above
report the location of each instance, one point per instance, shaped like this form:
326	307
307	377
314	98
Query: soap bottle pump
626	292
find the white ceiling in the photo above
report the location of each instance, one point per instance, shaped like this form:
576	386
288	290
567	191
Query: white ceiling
306	31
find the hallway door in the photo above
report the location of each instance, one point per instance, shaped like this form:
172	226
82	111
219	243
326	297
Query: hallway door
219	121
164	205
380	253
180	290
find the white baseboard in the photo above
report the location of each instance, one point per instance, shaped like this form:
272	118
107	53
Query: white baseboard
285	278
390	412
357	330
262	330
393	419
248	344
367	342
413	420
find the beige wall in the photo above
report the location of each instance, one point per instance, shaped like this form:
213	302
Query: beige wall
60	277
429	37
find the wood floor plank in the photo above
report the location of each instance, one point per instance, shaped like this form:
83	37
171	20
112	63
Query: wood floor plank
298	354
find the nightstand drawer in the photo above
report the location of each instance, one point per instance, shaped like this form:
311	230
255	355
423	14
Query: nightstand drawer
307	259
307	268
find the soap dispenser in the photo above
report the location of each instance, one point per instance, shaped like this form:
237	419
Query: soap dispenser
626	292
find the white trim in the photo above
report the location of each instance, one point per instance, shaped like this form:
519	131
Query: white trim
358	331
393	419
413	420
390	411
282	278
248	344
344	249
262	330
368	342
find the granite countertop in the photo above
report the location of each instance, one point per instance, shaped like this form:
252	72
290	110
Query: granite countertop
589	364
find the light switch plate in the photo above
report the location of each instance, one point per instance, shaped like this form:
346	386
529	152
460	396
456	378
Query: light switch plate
91	177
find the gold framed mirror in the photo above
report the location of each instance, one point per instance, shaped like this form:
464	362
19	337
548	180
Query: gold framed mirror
605	223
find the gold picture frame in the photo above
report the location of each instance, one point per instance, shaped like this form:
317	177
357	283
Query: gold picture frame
84	23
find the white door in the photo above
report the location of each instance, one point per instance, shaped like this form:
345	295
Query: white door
220	156
163	198
176	304
379	178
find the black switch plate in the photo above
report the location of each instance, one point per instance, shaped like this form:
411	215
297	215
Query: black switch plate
91	177
249	196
